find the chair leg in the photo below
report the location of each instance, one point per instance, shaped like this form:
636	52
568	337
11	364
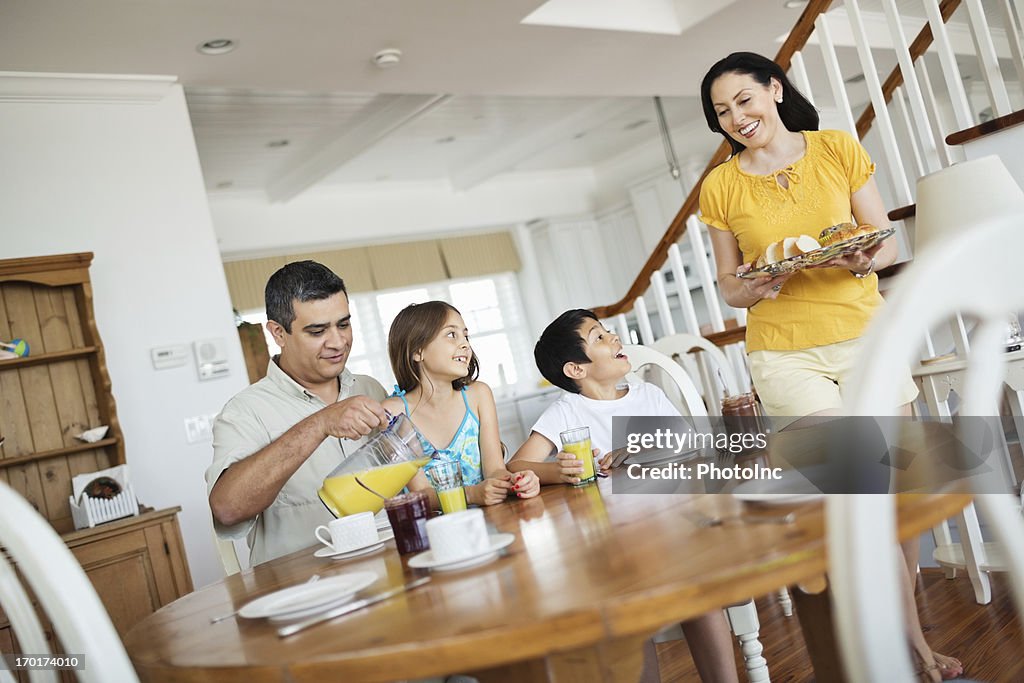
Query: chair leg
746	627
974	554
942	537
786	602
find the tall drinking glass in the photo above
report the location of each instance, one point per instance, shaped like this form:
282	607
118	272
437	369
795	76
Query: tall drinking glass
577	442
446	478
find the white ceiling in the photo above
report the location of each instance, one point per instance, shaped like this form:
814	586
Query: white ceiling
477	92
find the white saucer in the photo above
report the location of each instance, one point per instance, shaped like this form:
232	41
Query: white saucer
383	537
425	560
791	489
307	599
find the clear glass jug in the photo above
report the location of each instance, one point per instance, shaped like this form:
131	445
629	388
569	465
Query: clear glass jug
385	464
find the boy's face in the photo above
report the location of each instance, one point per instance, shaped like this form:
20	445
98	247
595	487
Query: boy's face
603	348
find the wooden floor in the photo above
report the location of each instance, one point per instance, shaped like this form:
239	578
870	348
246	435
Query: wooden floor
987	639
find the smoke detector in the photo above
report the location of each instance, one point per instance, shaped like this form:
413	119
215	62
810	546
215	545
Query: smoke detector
388	58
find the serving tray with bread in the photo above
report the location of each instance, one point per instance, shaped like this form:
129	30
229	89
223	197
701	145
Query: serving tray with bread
796	253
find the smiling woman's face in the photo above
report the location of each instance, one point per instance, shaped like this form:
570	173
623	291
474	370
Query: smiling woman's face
746	110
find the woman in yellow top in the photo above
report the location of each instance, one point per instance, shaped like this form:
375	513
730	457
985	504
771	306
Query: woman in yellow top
786	178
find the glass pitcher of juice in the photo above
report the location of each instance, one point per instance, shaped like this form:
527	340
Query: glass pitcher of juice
384	464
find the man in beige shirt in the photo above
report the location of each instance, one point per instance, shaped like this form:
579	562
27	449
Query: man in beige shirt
276	440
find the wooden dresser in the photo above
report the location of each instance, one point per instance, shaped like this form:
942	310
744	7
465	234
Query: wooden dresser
58	391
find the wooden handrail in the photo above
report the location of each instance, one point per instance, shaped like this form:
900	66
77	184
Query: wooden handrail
797	39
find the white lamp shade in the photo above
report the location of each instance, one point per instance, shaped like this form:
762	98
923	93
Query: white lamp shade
953	199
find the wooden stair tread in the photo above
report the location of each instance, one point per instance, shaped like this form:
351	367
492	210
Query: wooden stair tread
983	129
903	213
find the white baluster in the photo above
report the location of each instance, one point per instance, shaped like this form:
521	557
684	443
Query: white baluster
882	120
835	76
1013	38
707	280
950	69
675	260
901	109
668	326
623	327
643	321
803	84
923	131
989	59
938	125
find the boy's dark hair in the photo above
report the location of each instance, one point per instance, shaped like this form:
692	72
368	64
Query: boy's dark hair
796	112
561	343
302	281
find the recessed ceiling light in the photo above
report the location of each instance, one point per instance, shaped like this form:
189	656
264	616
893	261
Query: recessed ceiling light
795	4
278	143
445	140
388	58
579	135
217	46
856	78
225	184
636	124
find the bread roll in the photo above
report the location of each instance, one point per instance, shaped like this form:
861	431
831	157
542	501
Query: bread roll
774	253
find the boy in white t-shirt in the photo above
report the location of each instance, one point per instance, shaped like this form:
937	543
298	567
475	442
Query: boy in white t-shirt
577	354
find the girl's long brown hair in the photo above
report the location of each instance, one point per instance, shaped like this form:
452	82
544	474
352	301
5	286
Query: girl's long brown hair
415	327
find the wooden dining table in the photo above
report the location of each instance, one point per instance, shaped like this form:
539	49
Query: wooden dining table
590	576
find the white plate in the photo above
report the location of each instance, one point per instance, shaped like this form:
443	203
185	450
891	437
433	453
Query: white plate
308	598
383	537
425	560
792	488
382	521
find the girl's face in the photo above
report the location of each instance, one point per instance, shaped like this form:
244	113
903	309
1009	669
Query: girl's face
448	353
747	111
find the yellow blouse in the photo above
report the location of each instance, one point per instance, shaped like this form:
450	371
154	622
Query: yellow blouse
815	307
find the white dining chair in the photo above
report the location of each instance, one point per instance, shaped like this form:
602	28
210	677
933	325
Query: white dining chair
63	592
976	272
743	618
712	366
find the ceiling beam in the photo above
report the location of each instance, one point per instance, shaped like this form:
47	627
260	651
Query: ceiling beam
533	140
338	145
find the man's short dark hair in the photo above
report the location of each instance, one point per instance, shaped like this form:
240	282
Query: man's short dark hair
299	281
561	343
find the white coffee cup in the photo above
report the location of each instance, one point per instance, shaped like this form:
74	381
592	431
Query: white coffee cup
349	533
458	535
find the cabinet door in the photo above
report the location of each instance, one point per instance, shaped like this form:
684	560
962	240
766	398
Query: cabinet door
121	570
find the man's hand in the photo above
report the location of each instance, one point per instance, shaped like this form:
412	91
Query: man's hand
352	418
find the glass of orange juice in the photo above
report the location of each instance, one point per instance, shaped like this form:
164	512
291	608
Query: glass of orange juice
577	442
446	478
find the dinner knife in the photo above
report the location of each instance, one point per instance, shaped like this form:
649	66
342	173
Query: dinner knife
292	629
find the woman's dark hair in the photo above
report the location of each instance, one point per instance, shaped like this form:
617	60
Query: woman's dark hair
796	112
415	327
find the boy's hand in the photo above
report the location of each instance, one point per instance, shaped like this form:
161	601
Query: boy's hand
570	468
605	463
491	491
526	484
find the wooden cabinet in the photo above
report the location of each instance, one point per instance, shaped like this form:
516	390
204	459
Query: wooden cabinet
58	391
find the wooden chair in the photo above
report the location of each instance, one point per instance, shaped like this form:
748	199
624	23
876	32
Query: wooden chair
976	272
63	592
742	618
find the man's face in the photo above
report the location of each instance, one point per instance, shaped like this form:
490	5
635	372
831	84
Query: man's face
317	348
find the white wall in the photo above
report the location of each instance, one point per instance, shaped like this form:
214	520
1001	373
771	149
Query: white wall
110	166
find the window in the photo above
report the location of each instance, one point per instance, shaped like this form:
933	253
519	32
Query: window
490	306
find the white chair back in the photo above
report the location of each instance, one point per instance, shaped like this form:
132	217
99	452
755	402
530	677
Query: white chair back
639	356
976	272
713	373
63	592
